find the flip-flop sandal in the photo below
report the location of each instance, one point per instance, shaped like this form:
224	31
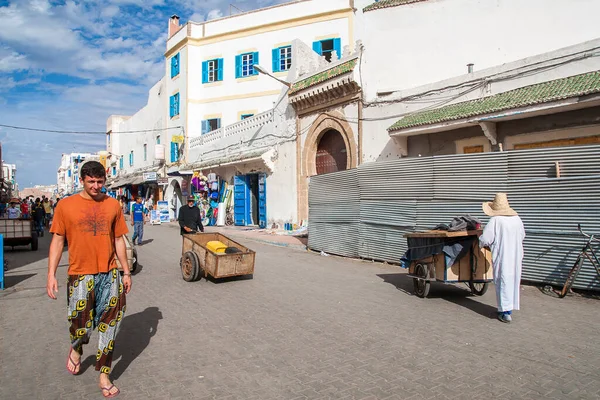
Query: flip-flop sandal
75	364
109	395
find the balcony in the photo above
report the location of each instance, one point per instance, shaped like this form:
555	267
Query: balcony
237	132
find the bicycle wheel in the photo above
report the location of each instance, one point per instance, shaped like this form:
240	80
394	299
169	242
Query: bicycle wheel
571	277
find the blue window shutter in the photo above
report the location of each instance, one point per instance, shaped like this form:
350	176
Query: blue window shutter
204	71
219	69
69	173
255	62
205	127
337	46
318	48
276	53
173	152
171	106
121	163
176	104
218	123
238	66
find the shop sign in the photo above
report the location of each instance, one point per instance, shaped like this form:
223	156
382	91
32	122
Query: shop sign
162	181
177	139
155	217
163	210
150	176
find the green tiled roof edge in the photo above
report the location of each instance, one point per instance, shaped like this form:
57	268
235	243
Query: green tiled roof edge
348	66
388	3
559	89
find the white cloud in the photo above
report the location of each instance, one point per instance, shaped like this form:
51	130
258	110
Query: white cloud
197	17
13	62
110	11
214	14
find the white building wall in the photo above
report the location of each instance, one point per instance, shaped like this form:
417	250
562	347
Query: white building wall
414	44
377	144
150	118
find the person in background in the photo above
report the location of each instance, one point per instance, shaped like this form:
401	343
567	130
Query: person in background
138	219
39	215
48	210
13	212
189	217
24	209
504	235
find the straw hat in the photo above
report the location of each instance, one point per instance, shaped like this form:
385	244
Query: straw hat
498	207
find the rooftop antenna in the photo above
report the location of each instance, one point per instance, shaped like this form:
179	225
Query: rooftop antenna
231	7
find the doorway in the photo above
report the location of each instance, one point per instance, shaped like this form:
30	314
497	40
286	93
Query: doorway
250	200
331	153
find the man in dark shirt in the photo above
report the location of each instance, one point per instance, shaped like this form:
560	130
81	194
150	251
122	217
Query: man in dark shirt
38	213
189	217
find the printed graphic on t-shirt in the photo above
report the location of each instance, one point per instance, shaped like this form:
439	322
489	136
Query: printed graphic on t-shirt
95	221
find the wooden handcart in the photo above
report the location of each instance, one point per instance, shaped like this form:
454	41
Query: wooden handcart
198	259
132	259
474	268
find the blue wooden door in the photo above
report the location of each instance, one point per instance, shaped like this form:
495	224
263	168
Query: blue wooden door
262	200
240	200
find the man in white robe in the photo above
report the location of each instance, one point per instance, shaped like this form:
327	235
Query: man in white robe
504	235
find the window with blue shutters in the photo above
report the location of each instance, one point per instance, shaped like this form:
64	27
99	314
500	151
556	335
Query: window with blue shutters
331	49
209	125
69	173
212	70
282	59
131	159
244	65
121	162
175	65
174	105
114	171
174	152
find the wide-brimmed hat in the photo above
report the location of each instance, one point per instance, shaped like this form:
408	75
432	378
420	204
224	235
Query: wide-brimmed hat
498	207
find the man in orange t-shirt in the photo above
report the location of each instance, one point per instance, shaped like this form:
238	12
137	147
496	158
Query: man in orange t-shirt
94	225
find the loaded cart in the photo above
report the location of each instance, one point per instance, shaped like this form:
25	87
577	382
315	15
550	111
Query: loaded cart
131	256
19	232
448	257
216	255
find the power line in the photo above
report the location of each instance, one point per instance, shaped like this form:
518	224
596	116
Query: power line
84	132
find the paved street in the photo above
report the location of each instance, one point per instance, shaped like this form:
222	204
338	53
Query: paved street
305	327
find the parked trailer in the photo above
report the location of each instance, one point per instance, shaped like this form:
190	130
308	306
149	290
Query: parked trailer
19	232
197	258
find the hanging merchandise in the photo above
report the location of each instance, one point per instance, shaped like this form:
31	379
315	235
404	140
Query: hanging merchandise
212	177
214	186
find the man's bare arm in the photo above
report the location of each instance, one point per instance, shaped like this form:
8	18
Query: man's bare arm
56	248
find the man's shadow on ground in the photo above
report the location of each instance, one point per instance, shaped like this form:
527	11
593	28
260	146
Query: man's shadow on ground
134	336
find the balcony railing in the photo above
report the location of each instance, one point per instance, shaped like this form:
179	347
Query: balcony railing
239	129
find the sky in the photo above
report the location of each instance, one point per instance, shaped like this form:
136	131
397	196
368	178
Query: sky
69	65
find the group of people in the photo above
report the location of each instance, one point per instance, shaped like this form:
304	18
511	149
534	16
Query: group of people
40	210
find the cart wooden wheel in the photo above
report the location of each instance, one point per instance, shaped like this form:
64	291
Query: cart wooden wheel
190	268
421	284
478	288
34	241
134	262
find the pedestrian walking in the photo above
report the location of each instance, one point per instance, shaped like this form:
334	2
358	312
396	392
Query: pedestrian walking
24	209
94	225
48	210
504	235
138	220
189	217
38	214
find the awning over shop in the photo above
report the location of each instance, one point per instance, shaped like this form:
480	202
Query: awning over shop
547	97
264	155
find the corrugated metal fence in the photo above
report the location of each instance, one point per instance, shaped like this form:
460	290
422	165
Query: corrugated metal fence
365	212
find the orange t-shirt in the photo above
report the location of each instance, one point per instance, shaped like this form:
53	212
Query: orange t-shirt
90	227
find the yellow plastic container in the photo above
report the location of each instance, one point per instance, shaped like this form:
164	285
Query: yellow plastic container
216	246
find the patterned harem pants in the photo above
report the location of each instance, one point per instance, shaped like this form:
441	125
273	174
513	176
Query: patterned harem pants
96	301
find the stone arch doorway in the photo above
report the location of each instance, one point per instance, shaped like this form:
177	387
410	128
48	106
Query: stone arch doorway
332	154
328	131
174	197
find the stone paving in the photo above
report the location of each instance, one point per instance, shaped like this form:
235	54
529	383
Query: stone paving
305	327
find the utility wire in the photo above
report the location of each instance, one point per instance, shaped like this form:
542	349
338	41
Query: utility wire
83	132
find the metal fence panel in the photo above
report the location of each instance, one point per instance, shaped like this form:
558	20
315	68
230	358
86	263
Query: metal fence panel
382	242
469	176
410	178
541	163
